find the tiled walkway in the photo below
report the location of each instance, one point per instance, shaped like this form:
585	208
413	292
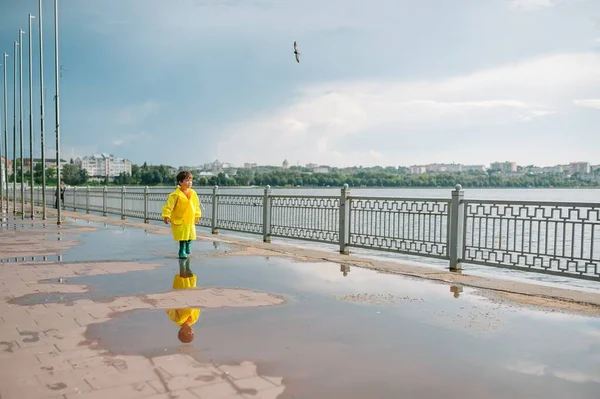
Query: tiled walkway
43	351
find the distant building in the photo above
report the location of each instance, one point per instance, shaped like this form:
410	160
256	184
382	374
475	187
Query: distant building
444	168
417	169
311	165
285	164
583	168
558	169
104	165
252	165
2	179
216	167
9	169
50	162
321	169
504	167
474	168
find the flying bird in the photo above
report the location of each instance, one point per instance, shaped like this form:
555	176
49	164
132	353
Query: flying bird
296	52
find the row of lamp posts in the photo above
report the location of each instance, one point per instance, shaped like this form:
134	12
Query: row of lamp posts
18	128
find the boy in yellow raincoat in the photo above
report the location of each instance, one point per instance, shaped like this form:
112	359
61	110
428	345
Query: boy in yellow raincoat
185	317
182	210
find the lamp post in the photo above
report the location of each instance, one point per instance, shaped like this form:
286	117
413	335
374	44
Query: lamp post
5	56
42	113
21	31
31	120
1	164
15	131
57	110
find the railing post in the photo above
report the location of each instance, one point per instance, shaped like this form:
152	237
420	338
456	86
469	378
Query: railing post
104	195
146	219
122	202
456	219
344	231
215	207
75	199
267	215
87	199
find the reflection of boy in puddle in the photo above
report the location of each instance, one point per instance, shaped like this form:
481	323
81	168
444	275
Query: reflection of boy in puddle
185	317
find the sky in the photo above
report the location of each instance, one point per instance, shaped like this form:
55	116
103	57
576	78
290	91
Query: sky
380	82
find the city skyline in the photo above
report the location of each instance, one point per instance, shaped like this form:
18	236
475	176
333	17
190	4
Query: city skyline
247	164
424	81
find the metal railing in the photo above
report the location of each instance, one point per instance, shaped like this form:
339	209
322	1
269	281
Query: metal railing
546	237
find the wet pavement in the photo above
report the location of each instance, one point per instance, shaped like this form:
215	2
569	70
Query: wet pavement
337	331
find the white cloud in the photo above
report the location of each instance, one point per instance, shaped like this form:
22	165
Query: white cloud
589	103
538	369
532	4
329	114
528	368
130	138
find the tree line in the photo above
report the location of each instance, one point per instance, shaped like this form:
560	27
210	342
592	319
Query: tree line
160	175
153	175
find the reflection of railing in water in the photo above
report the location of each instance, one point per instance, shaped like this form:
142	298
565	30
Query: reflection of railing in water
547	237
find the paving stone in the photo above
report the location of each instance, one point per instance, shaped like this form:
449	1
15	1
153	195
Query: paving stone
254	383
137	390
103	381
180	394
244	370
270	393
216	391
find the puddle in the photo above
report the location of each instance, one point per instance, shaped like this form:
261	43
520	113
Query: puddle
400	337
131	244
100	241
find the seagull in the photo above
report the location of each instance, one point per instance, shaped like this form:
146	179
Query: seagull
296	52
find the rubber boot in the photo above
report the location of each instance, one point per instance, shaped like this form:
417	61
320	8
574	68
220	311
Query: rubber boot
182	253
188	271
182	268
188	251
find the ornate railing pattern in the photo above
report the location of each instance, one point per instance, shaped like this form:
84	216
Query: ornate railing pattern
404	225
155	202
546	237
134	204
206	201
96	199
243	213
305	217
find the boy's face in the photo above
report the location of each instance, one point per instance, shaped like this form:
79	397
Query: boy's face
187	183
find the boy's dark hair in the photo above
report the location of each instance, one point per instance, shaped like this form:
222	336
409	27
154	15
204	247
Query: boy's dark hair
184	174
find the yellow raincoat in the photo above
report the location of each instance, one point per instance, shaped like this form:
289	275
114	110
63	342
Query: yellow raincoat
179	316
183	212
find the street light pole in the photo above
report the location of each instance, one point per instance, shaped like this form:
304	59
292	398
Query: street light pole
31	120
57	109
3	118
21	31
5	56
42	113
15	131
1	164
